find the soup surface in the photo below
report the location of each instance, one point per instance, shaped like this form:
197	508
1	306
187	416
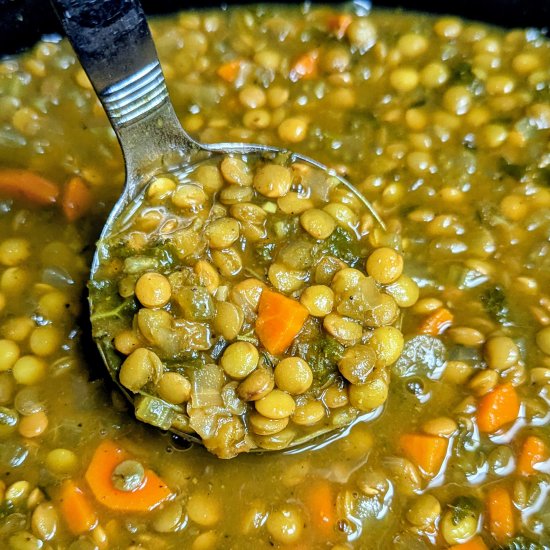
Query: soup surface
445	126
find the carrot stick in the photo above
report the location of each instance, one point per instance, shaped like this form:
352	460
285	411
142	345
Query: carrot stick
319	499
24	184
497	408
500	514
279	321
230	71
476	543
338	24
76	200
437	322
77	511
99	476
533	452
305	66
426	451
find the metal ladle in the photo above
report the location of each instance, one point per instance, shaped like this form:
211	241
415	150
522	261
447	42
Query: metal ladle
114	46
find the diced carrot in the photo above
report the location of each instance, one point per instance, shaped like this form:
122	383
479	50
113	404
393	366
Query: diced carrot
305	66
76	200
437	322
99	474
24	184
533	452
320	502
338	24
77	511
497	408
476	543
279	321
500	514
230	71
426	451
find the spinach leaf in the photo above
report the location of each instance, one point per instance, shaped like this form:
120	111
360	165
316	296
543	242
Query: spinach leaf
464	507
516	171
322	355
118	315
462	73
123	310
488	213
495	303
7	508
343	245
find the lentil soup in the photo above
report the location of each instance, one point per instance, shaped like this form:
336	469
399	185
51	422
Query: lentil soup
194	304
444	125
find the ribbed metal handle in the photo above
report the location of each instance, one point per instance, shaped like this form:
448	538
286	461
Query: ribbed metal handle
113	43
136	95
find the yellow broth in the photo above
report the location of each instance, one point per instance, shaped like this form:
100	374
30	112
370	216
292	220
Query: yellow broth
444	125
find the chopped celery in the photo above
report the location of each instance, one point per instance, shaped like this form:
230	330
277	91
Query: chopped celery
139	264
195	303
281	229
270	207
207	385
464	353
154	411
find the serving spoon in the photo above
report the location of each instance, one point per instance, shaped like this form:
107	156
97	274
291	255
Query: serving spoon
112	41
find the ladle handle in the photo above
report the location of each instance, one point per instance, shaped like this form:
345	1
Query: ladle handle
113	43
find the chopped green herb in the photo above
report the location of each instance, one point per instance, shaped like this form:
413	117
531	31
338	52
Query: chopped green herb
515	171
331	349
462	73
322	354
7	508
218	348
265	251
464	507
342	245
489	214
123	310
494	302
544	176
267	359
